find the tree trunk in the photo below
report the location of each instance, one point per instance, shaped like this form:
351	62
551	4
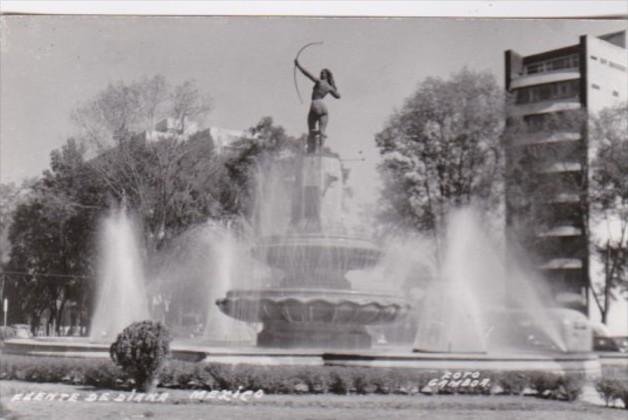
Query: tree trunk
609	273
50	322
34	322
59	316
149	384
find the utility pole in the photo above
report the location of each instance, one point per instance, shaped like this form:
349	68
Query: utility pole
5	301
5	309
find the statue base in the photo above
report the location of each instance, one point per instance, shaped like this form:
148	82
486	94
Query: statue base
313	335
314	143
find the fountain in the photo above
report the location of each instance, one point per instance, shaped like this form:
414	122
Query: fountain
302	280
120	278
313	305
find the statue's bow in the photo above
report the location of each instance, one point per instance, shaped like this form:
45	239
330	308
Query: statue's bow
296	86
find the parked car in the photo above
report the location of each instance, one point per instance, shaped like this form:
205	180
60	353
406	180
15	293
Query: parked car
6	333
622	342
609	344
22	330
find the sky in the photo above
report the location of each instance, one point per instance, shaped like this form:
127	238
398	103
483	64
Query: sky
51	64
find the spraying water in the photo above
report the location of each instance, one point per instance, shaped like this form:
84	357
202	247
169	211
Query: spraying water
482	301
194	270
228	262
121	295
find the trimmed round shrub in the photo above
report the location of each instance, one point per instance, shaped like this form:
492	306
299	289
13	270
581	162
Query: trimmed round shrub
544	383
570	386
141	350
611	389
557	386
512	383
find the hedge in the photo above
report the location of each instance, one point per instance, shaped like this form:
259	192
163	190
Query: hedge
291	379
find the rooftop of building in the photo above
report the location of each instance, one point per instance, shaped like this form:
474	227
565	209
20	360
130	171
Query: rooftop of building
223	138
614	38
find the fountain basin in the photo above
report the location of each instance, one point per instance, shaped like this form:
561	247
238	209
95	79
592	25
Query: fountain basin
586	363
319	318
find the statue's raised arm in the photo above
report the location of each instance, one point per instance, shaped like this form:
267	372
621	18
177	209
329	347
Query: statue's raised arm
304	71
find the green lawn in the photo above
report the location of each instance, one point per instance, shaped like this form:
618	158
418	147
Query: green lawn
307	407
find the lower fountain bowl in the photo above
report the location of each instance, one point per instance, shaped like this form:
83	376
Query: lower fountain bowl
320	318
313	305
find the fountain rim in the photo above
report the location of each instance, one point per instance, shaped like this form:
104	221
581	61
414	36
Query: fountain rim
290	238
289	292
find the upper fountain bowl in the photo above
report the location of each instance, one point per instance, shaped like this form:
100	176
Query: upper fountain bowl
316	250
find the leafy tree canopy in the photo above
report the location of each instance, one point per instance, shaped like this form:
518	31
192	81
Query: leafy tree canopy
441	150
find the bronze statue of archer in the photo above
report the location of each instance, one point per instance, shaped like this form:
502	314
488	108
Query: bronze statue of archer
318	117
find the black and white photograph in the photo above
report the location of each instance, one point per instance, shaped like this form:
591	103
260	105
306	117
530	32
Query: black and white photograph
314	215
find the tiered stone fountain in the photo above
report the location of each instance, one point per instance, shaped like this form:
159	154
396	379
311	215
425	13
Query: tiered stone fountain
314	305
313	309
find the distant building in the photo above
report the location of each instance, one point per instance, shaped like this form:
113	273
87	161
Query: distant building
172	127
223	139
577	80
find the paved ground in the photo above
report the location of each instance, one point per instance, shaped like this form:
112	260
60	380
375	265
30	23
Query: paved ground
178	405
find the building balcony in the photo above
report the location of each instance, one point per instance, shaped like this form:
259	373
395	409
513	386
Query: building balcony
564	198
562	264
543	107
547	138
541	78
560	167
560	231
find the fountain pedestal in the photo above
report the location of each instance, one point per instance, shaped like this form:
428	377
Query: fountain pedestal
313	335
314	307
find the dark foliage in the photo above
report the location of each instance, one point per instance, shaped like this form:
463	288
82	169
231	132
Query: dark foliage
141	350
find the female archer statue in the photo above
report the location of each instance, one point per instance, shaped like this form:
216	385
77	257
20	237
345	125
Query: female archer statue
318	117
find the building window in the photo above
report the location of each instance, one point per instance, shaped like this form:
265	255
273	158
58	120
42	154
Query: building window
593	57
554	64
615	93
603	61
548	91
594	86
555	121
617	66
535	122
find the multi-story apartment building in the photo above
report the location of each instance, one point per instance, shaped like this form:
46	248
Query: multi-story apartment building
553	93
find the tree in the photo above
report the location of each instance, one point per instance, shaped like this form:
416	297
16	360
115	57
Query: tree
51	237
169	179
125	108
9	199
441	151
188	103
263	145
170	182
9	194
609	199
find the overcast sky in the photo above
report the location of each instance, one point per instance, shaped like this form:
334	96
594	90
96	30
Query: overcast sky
51	64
